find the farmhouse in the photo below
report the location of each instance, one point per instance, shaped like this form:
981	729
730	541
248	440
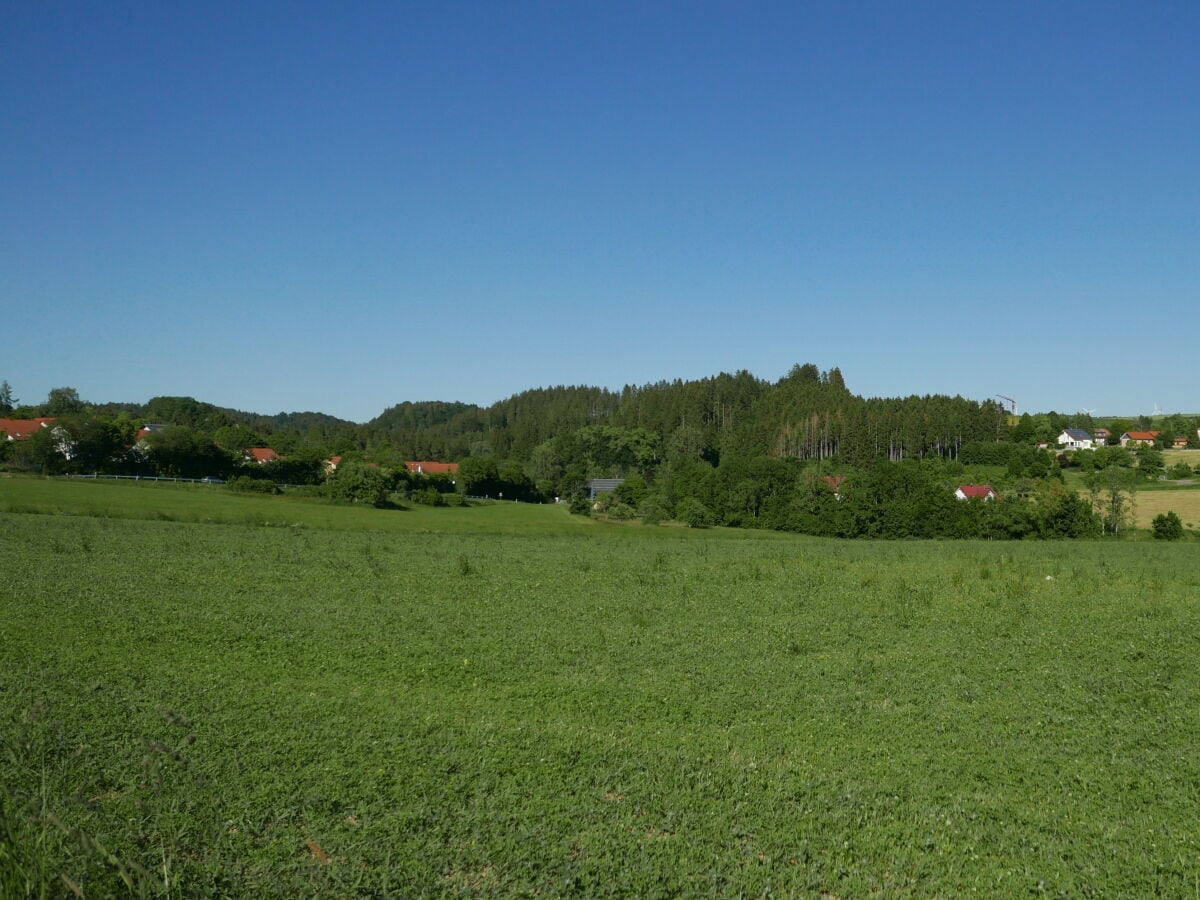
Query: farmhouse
20	429
432	468
983	492
1138	438
260	455
1180	443
1075	439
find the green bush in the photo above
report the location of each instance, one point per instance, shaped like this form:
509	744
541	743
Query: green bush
429	497
359	483
632	491
654	509
619	510
1180	470
1167	527
693	513
244	484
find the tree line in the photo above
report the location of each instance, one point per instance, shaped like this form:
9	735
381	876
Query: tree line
731	449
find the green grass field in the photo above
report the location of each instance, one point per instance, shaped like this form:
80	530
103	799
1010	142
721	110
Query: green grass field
209	694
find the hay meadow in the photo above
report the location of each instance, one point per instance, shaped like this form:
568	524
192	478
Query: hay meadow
207	694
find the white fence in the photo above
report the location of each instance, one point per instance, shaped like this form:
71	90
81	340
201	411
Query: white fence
148	478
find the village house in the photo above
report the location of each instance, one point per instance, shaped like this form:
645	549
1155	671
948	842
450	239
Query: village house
260	455
1075	439
21	429
983	492
1138	438
432	468
1180	443
1101	435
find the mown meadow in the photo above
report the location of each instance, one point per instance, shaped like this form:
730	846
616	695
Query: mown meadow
205	694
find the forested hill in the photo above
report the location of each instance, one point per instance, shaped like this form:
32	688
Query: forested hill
807	414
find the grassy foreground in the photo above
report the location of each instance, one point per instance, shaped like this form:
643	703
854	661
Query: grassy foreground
505	700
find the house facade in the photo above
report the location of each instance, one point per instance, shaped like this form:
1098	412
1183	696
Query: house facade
983	492
425	467
1075	439
1138	438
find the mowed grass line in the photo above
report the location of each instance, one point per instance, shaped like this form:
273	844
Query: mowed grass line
443	713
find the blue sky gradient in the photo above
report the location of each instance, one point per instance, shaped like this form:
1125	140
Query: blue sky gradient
289	206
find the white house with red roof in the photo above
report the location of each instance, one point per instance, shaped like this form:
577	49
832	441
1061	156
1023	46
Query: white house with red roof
983	492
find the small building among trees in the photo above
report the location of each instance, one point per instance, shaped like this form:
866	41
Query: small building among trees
975	492
597	486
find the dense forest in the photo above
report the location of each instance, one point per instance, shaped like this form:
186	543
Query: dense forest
731	449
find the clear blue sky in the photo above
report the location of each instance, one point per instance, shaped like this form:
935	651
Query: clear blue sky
288	206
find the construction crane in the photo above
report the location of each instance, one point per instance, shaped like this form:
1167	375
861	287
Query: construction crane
1012	404
1012	410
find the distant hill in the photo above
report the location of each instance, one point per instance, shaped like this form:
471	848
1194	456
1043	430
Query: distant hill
806	414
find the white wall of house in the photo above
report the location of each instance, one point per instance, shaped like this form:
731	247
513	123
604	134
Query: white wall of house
1069	443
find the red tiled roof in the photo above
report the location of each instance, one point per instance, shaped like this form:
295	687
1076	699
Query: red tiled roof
432	468
1141	435
976	490
19	429
261	454
834	481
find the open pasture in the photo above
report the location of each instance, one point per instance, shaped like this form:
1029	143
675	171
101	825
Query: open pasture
1184	502
506	700
1174	457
